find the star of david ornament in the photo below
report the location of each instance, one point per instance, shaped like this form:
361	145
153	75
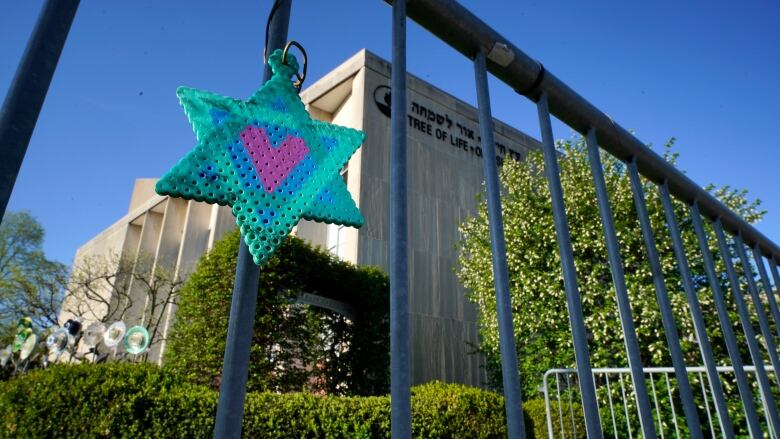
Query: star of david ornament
267	159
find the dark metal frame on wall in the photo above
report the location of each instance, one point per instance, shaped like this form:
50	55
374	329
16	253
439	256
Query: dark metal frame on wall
493	54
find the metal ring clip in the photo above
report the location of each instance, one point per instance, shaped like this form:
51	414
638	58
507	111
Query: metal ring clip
300	77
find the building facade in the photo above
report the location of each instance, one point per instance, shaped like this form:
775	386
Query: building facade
445	175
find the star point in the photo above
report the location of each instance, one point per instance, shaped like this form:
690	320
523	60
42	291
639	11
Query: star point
267	159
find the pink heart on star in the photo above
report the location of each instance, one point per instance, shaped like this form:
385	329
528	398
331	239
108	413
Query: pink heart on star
273	165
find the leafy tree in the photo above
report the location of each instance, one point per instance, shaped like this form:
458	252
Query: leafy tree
293	345
541	321
31	285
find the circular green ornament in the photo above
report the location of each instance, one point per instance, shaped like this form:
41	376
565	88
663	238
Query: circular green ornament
136	340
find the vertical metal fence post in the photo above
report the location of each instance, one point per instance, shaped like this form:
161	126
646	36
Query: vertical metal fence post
616	269
745	390
548	410
763	321
667	316
24	100
770	295
506	333
232	390
700	329
400	397
776	277
573	300
768	400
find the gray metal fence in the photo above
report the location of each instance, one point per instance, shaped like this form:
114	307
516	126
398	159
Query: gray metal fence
492	53
617	403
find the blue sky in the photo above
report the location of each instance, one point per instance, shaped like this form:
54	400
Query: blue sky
704	72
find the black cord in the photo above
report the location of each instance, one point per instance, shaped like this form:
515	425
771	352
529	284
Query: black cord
267	28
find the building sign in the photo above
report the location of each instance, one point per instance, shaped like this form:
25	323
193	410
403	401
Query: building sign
382	98
453	131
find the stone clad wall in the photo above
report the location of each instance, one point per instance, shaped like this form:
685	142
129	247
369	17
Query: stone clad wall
445	174
160	233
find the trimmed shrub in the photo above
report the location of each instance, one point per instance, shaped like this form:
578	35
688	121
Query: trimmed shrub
288	351
144	401
81	400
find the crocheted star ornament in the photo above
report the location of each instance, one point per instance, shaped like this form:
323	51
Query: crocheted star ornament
267	159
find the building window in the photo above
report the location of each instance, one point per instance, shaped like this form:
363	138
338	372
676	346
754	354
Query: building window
336	239
336	232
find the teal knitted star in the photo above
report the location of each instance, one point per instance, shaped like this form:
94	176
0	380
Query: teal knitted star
267	159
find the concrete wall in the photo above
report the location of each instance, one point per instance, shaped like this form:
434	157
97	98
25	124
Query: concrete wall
161	236
445	175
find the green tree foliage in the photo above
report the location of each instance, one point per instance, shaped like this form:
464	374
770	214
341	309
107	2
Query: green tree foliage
144	401
541	320
293	346
31	285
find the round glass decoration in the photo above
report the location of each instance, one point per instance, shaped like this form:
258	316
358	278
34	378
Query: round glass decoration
58	340
5	355
93	334
21	336
114	334
27	347
136	340
73	326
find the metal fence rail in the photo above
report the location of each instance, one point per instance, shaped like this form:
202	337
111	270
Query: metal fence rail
618	407
492	53
25	97
458	27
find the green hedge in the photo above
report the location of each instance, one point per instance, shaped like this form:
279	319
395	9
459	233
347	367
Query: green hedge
288	351
139	401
